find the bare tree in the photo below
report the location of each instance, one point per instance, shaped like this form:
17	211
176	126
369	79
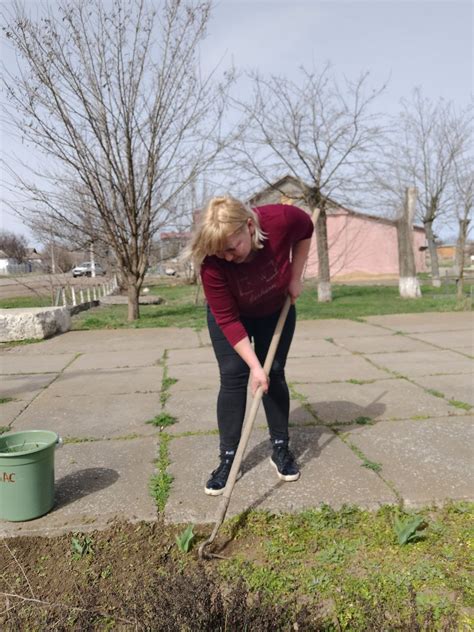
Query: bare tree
426	140
316	131
13	245
113	95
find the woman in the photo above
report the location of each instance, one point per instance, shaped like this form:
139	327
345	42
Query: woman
250	260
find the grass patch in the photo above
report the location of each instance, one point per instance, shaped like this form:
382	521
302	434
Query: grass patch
160	483
5	400
20	343
352	560
355	302
320	569
179	308
25	301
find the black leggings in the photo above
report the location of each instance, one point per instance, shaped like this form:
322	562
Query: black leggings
234	376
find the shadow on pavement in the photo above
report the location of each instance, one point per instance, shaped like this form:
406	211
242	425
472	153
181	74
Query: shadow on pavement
72	487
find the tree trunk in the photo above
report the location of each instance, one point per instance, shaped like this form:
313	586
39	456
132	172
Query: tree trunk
134	288
435	280
324	274
460	251
409	286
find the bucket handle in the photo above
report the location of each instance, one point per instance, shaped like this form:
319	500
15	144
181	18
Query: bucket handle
59	442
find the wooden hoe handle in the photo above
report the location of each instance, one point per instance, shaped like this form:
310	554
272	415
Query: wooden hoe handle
246	430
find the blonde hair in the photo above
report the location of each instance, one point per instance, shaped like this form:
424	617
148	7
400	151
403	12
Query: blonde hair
222	217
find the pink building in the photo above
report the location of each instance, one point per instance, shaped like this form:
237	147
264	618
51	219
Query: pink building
359	244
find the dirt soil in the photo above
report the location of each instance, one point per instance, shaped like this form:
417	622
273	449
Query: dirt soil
127	577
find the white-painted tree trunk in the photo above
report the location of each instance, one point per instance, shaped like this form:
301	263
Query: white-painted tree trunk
324	292
409	287
408	284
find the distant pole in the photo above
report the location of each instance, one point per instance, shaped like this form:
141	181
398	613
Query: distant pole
53	262
92	258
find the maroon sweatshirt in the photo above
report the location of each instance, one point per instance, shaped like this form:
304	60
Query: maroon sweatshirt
257	288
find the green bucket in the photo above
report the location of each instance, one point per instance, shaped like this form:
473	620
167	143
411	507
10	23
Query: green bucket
27	474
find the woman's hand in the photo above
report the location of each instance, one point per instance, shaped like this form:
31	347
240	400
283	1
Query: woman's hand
294	289
258	377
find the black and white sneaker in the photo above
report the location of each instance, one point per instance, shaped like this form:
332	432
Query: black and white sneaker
218	479
284	462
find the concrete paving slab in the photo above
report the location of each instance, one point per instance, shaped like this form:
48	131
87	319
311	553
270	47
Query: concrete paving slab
329	369
193	355
9	411
330	473
99	417
380	344
427	461
307	347
96	483
12	365
332	328
458	387
116	339
424	322
116	359
108	381
459	340
381	400
23	386
204	337
413	364
194	376
196	412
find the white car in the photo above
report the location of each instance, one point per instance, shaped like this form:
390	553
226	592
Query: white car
85	269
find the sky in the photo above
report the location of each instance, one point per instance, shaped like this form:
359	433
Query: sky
409	43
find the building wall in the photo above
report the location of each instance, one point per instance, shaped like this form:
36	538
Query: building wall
361	245
357	243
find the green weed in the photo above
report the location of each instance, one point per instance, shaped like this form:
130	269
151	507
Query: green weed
360	382
434	392
5	400
363	421
81	545
166	381
160	483
408	528
461	405
184	540
372	465
162	420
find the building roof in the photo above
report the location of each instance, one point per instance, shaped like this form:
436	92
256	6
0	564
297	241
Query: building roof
175	235
293	186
